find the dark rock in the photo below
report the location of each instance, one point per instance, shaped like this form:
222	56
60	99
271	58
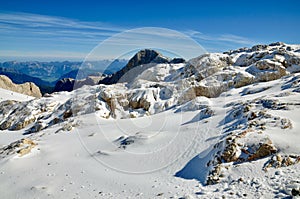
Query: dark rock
69	84
142	57
259	47
67	114
295	192
66	84
177	61
276	44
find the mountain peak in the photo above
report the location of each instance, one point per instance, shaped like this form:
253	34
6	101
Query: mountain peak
145	56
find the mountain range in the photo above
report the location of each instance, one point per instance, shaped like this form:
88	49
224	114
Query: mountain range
221	125
46	74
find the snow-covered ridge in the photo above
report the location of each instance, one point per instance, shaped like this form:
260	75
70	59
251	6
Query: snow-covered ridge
152	88
248	100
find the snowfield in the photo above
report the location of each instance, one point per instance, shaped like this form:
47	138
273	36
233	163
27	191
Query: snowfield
219	126
10	95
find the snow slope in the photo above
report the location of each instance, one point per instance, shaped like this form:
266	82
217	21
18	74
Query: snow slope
233	135
10	95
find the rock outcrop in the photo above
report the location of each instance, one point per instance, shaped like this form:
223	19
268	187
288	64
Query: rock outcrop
267	70
20	147
142	58
28	88
69	84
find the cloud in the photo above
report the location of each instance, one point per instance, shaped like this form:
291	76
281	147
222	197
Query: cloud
27	20
221	42
32	34
53	28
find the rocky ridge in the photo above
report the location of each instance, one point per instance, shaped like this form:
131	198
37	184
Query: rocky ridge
28	88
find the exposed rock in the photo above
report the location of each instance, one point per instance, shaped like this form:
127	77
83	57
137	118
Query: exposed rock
277	44
177	61
246	141
206	65
295	192
67	114
66	84
264	150
67	127
230	152
28	88
259	47
115	97
210	91
142	98
69	84
267	70
21	147
187	95
214	175
22	124
27	145
37	127
278	161
161	86
141	58
243	79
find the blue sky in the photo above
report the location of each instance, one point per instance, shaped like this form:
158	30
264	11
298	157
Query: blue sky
61	30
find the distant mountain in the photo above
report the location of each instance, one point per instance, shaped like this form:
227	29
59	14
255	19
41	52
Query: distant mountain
80	74
87	76
46	74
65	84
20	78
47	71
51	71
69	84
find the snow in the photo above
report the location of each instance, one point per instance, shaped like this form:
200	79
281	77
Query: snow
10	95
167	151
88	161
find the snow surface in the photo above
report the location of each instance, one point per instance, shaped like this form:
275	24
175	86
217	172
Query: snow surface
10	95
87	161
161	154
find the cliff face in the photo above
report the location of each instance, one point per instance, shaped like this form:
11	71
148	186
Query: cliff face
27	88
